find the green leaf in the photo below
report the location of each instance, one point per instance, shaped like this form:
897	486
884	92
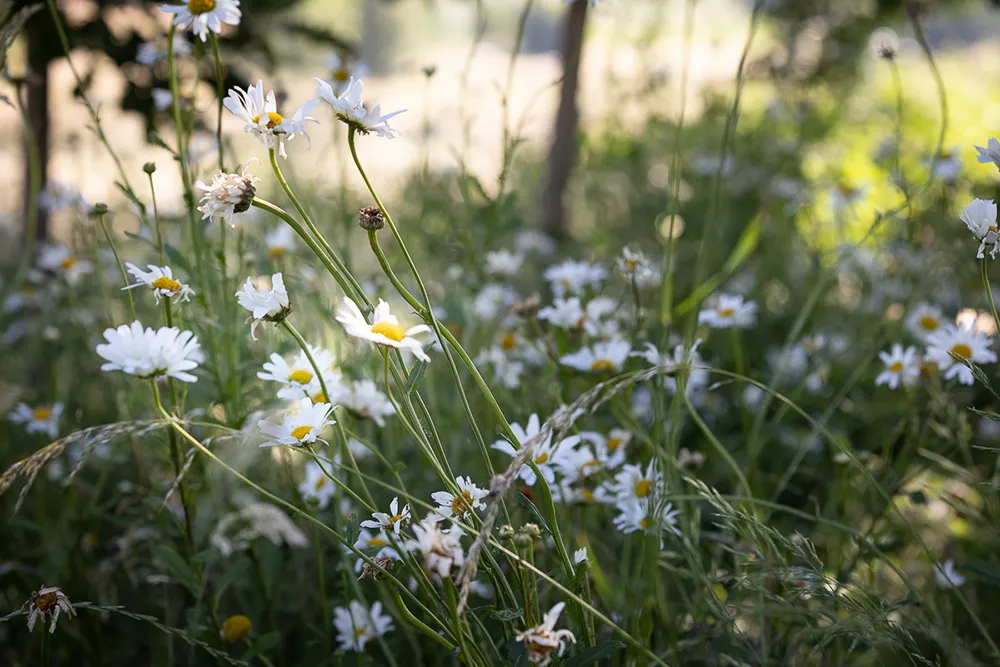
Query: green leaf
415	376
177	567
744	247
593	654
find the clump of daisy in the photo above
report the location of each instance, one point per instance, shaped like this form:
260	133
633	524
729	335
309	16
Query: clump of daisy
261	117
545	453
42	419
980	216
599	358
46	604
902	367
385	330
456	506
267	305
357	625
299	378
227	195
573	277
349	109
394	520
203	16
965	343
146	353
543	642
730	311
60	261
161	280
302	427
441	549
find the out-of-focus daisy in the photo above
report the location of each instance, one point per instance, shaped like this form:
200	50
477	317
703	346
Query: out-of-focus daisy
146	353
845	196
394	520
902	367
989	153
543	642
947	165
316	486
600	358
303	427
469	498
965	343
644	514
161	280
608	451
441	549
163	99
268	305
42	419
204	15
150	53
697	377
492	300
688	459
343	67
350	109
47	603
532	240
503	262
384	330
280	241
980	216
573	277
545	452
564	313
60	261
730	311
946	575
227	195
506	369
634	266
261	117
634	482
236	531
356	625
376	545
924	319
366	400
56	197
299	377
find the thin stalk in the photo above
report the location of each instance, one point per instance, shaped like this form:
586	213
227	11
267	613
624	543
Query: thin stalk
320	575
220	93
989	292
156	220
118	261
420	625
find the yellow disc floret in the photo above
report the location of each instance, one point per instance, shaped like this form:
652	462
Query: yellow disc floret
236	628
642	488
301	432
200	6
389	330
301	376
166	284
601	365
962	350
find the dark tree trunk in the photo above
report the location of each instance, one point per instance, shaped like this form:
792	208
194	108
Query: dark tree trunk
563	153
38	34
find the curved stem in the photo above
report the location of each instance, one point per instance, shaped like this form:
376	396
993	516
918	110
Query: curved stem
121	267
220	93
989	293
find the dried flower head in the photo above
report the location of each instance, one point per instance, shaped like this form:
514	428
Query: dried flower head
227	195
382	563
47	603
370	218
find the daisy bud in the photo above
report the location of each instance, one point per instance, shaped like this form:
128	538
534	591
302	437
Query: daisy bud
429	71
100	208
506	531
370	218
527	306
532	530
149	168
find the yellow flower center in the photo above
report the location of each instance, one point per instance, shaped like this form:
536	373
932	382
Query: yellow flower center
200	7
236	628
320	483
301	376
46	602
167	284
962	350
389	330
508	342
461	504
320	398
896	367
541	458
68	263
301	432
587	495
360	632
846	189
273	117
278	251
726	312
592	463
377	542
613	444
642	488
601	365
394	519
41	414
341	74
646	523
928	323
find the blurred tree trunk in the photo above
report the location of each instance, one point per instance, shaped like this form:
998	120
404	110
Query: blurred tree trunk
38	35
563	153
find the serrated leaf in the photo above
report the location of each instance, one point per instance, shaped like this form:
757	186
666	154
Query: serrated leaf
593	654
177	567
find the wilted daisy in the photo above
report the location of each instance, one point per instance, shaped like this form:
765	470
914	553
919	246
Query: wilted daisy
268	305
228	194
469	498
350	109
161	280
924	319
545	452
946	576
600	357
237	530
394	520
902	367
42	419
633	265
441	549
47	603
492	300
150	53
60	261
645	515
543	641
280	241
356	625
384	330
146	353
204	15
503	262
580	556
301	428
261	117
730	311
573	277
980	216
299	377
991	153
366	400
317	486
965	343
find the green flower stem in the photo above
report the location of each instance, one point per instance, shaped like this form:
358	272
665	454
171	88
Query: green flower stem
156	221
989	293
420	625
280	213
321	575
220	93
121	267
456	619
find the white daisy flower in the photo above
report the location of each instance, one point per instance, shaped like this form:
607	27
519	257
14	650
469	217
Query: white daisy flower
506	369
350	109
227	195
532	240
730	311
964	342
600	357
946	576
261	117
60	261
608	451
150	53
55	197
299	377
980	216
573	277
343	67
356	626
564	313
161	280
633	265
146	353
902	367
317	486
635	483
42	419
844	196
991	153
47	603
469	498
493	300
256	519
948	165
546	453
441	549
367	401
644	514
578	463
280	241
269	305
924	319
394	520
378	544
580	556
503	262
543	642
304	427
204	15
697	377
384	330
